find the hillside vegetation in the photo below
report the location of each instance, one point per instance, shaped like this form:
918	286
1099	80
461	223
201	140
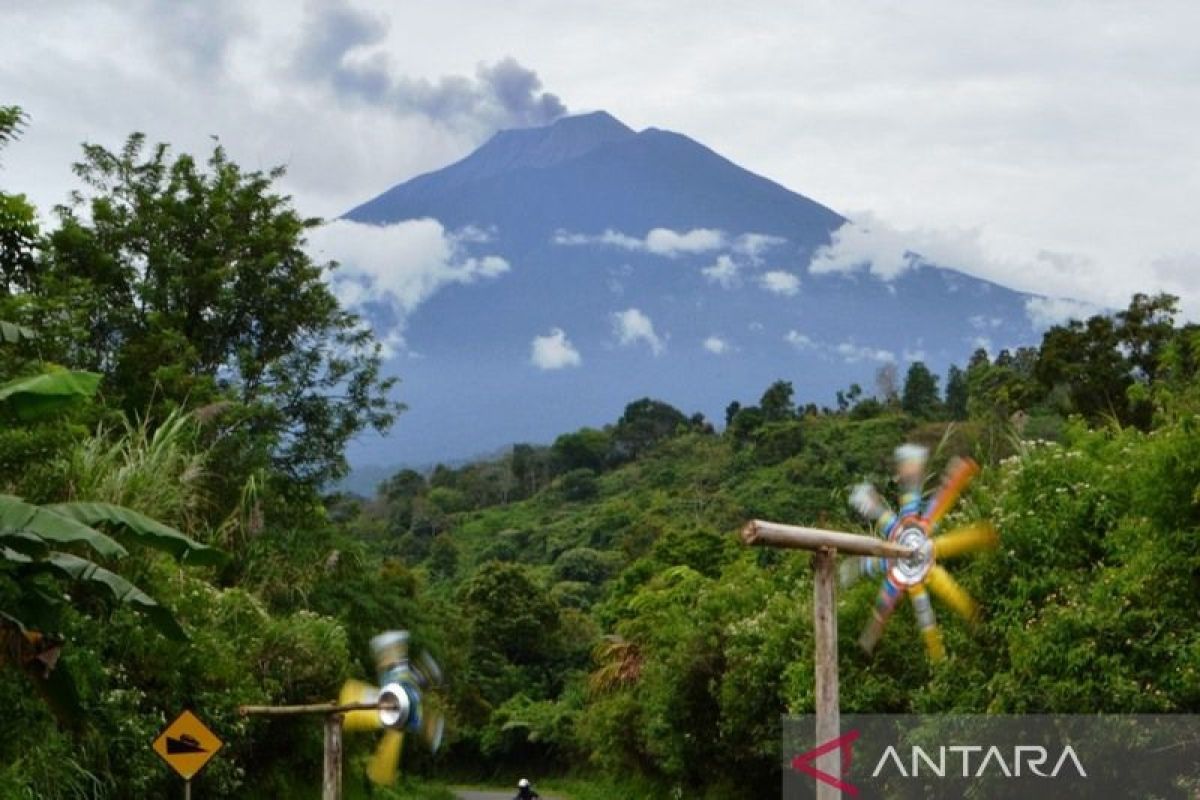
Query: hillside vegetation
174	368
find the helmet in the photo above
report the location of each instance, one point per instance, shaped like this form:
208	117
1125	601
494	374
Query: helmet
523	783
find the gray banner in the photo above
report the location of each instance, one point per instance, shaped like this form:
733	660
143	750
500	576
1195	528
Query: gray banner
1019	756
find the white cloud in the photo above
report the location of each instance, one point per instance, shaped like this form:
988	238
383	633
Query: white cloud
914	355
1044	312
799	341
666	242
723	272
659	241
753	245
632	326
886	252
716	345
852	353
554	351
610	238
400	265
780	282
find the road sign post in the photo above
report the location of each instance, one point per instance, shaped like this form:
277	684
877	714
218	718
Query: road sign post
187	745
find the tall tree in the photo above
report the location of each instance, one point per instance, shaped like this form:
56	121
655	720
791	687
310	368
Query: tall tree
184	283
18	220
956	393
920	395
777	403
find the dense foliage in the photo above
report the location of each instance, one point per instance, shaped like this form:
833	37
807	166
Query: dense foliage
588	600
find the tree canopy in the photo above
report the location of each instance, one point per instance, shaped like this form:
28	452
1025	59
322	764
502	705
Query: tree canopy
188	283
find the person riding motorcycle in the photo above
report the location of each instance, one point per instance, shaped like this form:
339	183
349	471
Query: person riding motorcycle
525	790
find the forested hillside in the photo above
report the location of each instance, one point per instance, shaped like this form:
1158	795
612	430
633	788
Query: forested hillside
174	369
601	613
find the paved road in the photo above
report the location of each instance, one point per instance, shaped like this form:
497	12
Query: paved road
476	794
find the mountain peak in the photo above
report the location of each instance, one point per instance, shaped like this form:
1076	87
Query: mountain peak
598	126
537	148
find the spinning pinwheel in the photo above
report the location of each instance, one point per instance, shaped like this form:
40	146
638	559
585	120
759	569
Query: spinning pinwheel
405	704
915	528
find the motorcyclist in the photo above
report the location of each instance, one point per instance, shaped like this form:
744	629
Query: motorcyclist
525	790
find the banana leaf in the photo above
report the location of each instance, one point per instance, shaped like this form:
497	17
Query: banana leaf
132	527
11	334
80	569
19	517
39	396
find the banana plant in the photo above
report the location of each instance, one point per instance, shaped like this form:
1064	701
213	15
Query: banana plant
72	542
11	334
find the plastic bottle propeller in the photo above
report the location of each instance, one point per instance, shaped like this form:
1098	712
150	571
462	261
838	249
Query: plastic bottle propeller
405	704
917	527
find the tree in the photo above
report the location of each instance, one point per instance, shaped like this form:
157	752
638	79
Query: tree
645	423
586	448
956	393
847	398
18	220
731	411
920	395
1084	359
183	283
511	618
777	403
1145	329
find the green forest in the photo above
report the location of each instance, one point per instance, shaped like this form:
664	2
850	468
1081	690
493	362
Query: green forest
178	387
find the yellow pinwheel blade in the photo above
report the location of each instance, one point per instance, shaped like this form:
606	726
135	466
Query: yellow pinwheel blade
967	539
385	763
359	692
959	474
934	644
927	622
952	593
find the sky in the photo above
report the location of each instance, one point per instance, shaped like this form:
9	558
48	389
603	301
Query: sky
1051	146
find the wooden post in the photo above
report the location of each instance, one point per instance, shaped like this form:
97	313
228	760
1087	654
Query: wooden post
826	670
331	783
331	775
824	545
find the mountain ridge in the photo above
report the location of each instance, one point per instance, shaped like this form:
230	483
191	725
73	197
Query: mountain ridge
656	267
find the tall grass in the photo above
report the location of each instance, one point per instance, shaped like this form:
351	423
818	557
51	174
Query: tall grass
157	470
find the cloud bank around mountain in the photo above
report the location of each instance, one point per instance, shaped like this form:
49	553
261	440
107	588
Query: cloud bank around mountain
659	241
402	265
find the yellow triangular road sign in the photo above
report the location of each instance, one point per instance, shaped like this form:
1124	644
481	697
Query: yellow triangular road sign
187	745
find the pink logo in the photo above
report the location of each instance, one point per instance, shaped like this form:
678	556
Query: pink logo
806	762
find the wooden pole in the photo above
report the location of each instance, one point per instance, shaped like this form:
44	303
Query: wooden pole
825	546
331	784
794	537
331	774
826	670
315	708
